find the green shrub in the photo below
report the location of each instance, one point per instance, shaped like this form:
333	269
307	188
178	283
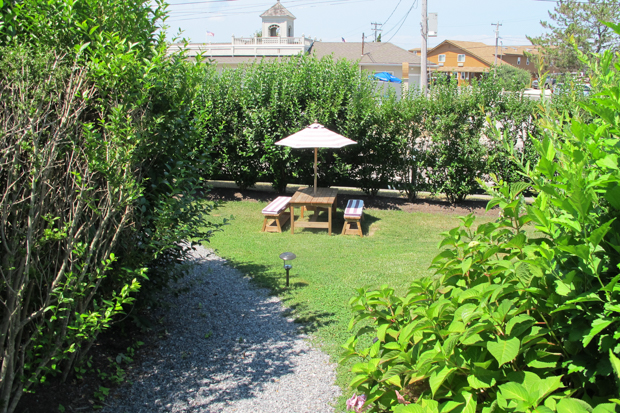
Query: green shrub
100	176
523	313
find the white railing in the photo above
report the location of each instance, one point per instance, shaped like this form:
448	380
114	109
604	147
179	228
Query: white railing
271	40
252	46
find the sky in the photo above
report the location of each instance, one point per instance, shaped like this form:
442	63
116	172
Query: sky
332	20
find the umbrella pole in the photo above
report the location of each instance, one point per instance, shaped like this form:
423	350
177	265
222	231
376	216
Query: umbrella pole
316	150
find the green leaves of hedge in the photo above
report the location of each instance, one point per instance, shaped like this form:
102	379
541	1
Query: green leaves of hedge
522	314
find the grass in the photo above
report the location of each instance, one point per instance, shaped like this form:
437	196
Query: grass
397	248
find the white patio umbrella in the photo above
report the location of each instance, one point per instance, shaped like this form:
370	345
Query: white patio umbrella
315	136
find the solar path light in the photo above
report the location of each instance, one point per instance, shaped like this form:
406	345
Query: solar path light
287	256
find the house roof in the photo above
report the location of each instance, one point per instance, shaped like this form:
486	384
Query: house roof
485	52
278	10
379	53
518	50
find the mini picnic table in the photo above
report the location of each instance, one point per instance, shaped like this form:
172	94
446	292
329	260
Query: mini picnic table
325	198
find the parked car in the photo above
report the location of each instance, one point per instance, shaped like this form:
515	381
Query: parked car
560	88
549	83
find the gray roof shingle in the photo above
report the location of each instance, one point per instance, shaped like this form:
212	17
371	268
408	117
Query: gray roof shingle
381	53
277	10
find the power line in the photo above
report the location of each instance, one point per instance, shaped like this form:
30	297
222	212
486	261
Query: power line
255	9
415	2
393	11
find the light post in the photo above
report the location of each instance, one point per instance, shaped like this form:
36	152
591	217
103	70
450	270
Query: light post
287	256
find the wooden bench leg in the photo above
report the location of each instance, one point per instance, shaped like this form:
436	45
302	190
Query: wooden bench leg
359	227
264	224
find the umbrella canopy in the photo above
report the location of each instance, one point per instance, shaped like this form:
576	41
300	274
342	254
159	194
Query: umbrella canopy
315	136
386	77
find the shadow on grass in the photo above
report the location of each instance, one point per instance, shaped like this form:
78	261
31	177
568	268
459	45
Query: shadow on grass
337	223
275	280
430	205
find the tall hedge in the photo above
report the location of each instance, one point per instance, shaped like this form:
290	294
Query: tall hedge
99	174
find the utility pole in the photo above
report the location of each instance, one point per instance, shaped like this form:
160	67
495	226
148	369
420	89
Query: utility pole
363	39
423	70
496	44
375	29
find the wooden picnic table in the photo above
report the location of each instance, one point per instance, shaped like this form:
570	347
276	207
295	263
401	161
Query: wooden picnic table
325	198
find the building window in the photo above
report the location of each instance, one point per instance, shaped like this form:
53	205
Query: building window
441	58
460	58
518	60
465	75
274	31
527	61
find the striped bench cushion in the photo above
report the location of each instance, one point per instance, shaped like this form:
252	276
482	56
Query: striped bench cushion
277	205
354	208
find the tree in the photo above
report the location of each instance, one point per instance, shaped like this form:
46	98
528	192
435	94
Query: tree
582	23
512	78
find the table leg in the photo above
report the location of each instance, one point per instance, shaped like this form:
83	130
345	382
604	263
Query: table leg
292	219
329	215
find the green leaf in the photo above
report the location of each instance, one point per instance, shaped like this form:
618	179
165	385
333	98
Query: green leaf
543	409
569	405
514	391
468	400
547	386
522	321
598	234
381	331
613	196
482	379
448	345
504	350
615	364
605	408
397	370
597	326
410	408
438	377
448	406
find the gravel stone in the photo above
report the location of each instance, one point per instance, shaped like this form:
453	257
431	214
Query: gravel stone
229	348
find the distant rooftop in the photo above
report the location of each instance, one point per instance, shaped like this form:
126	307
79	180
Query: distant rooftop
381	53
278	10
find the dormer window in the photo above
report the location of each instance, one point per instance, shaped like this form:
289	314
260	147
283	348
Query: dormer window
274	31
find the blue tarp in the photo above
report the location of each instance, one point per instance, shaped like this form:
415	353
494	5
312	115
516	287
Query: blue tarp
386	77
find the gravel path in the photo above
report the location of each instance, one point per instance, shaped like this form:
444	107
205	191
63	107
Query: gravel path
252	360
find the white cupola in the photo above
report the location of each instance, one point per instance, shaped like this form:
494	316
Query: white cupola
278	22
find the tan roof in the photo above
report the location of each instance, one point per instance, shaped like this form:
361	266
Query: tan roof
380	53
518	50
277	10
485	52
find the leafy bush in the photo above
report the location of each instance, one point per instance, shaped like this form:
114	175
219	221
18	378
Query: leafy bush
455	156
511	78
100	165
522	314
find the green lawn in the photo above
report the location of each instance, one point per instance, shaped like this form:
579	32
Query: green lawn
397	248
